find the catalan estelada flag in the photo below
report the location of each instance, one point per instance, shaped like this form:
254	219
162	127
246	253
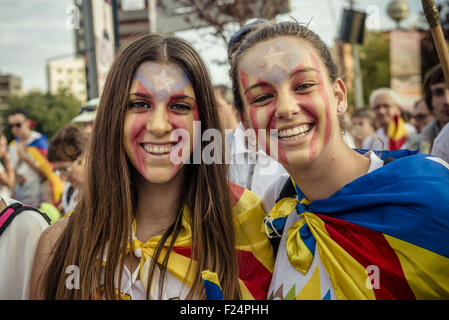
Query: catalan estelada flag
393	221
37	149
212	285
397	134
254	251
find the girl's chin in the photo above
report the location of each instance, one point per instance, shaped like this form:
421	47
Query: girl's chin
160	175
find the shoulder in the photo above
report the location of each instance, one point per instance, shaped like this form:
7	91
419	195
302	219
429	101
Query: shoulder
423	172
39	140
429	129
43	256
51	235
444	134
242	199
27	222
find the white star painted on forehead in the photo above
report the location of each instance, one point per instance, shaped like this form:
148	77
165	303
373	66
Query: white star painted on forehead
163	82
274	58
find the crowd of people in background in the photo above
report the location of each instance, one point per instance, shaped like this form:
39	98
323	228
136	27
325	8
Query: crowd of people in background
52	174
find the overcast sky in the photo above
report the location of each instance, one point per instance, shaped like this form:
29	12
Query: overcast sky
33	31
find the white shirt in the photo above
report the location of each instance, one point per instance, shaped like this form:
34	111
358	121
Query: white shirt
17	248
69	203
4	190
286	279
252	170
441	144
372	143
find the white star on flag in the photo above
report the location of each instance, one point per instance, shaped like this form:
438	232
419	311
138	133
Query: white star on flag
274	57
163	82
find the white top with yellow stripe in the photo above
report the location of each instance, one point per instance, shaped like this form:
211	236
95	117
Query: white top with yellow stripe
287	282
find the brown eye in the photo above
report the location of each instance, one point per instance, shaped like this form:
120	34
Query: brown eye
180	107
265	98
139	105
304	86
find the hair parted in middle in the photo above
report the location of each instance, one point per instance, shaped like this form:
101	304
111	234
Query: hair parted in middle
103	217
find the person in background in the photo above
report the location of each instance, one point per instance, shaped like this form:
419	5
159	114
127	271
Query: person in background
66	152
436	94
35	179
86	117
7	175
393	130
441	144
421	115
226	111
363	126
18	241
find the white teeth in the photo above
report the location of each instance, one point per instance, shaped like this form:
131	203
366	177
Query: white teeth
158	149
294	133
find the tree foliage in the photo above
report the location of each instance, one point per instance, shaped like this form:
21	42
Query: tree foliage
375	62
218	14
49	111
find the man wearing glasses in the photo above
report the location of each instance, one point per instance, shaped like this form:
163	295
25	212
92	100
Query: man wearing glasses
29	157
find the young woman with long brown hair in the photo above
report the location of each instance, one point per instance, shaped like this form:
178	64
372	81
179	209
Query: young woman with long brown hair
146	226
350	224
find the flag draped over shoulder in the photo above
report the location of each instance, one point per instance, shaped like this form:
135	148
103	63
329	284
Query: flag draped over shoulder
397	134
37	149
254	251
385	235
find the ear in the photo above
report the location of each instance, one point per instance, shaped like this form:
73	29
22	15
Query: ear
340	94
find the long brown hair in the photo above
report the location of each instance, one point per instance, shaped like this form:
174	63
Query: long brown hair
103	217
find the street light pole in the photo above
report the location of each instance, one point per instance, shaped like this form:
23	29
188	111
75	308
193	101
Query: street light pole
358	84
152	15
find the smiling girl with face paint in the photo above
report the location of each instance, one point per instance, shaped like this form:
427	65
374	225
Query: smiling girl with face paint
149	226
348	222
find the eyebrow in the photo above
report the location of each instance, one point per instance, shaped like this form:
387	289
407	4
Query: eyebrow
181	97
291	75
258	84
143	95
174	97
304	69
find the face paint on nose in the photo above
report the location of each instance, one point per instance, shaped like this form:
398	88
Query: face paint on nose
186	135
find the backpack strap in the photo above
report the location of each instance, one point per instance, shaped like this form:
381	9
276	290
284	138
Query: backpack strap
287	191
11	211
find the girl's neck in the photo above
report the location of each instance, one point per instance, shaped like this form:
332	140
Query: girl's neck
157	206
330	172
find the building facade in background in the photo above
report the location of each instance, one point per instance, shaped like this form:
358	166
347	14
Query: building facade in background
68	74
9	85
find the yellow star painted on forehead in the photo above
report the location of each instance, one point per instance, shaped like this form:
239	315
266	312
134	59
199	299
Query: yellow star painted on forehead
274	58
163	82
